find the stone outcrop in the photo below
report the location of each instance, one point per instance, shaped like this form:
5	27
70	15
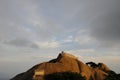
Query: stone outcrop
63	63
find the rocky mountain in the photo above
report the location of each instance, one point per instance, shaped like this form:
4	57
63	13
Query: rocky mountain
63	63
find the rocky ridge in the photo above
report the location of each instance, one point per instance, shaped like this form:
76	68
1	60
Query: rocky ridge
63	63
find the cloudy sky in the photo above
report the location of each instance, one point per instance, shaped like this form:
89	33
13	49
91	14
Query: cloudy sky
32	31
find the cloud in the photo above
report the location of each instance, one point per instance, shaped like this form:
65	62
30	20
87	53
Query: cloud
27	20
48	44
83	51
105	27
21	26
42	57
84	39
21	43
13	22
68	39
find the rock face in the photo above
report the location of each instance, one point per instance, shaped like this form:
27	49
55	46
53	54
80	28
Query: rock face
63	63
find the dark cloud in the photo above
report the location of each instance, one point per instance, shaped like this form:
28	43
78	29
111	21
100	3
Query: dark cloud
21	43
106	28
35	46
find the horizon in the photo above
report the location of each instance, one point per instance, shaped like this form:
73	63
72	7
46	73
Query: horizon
33	31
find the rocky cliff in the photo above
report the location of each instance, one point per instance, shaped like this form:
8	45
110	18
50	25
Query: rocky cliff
63	63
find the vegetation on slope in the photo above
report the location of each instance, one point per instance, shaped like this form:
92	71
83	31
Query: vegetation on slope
64	76
113	76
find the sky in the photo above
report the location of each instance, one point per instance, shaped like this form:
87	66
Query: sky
33	31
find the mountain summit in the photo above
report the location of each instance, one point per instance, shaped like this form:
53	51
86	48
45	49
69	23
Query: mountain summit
63	63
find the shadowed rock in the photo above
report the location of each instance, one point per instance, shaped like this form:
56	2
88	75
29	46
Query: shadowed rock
92	64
